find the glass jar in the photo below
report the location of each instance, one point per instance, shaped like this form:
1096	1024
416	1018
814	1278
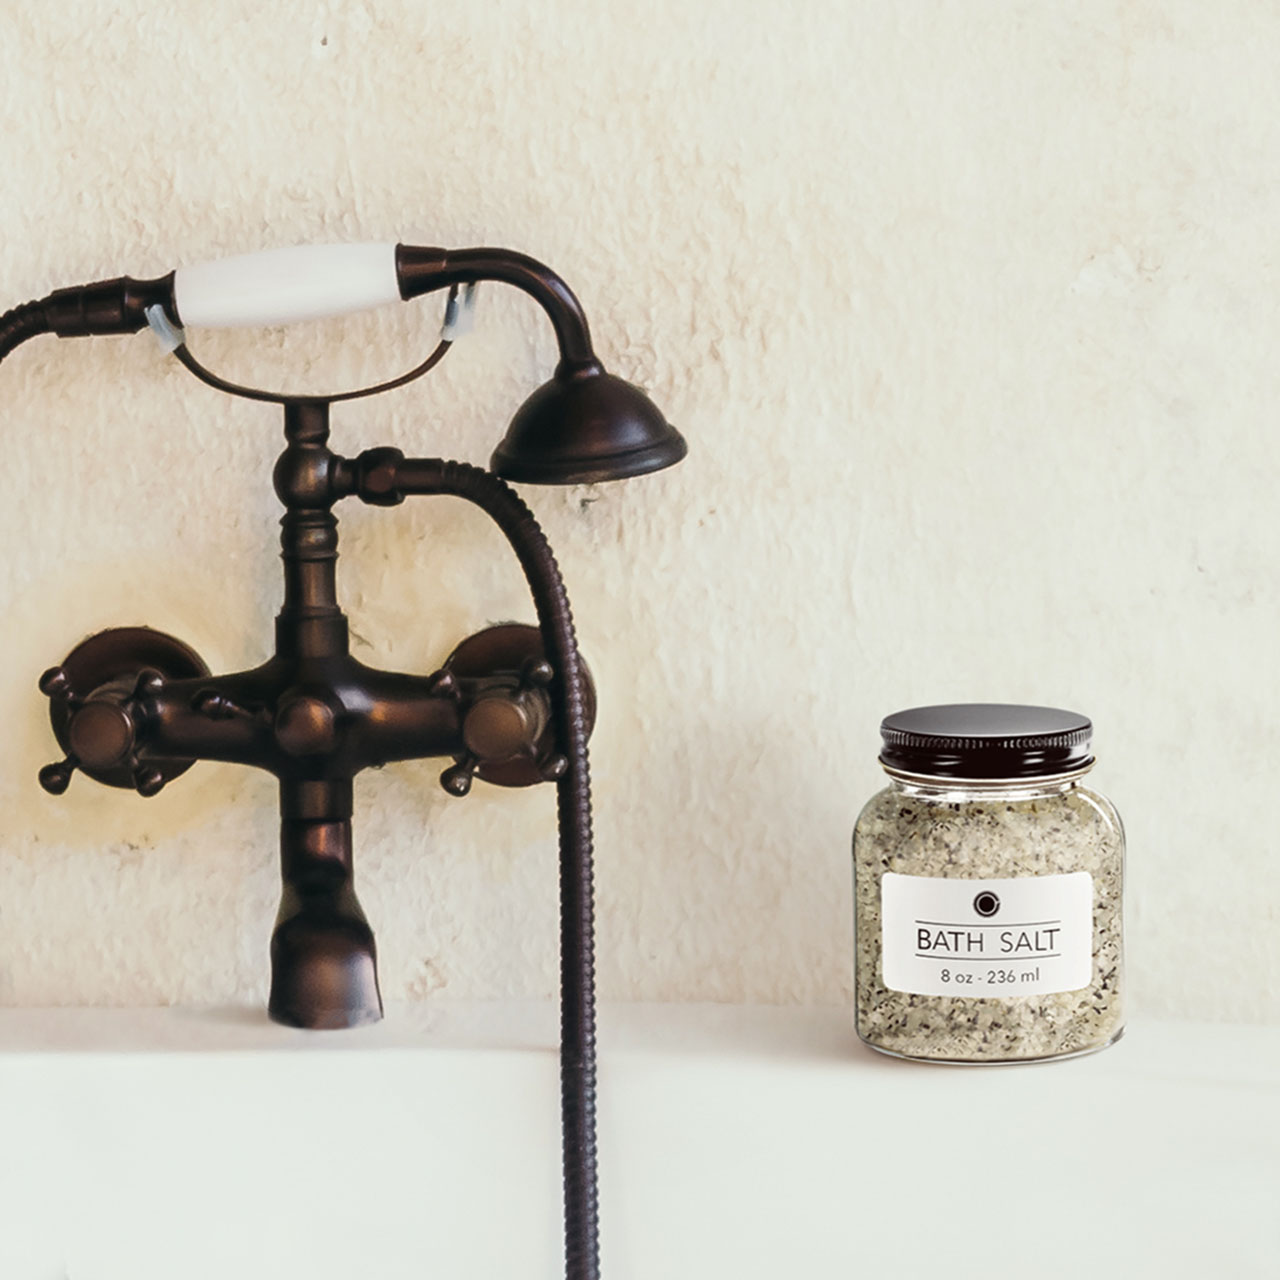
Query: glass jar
988	890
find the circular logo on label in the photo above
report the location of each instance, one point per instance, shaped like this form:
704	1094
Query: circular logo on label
986	903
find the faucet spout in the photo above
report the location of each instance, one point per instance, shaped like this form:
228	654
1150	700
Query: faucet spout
324	967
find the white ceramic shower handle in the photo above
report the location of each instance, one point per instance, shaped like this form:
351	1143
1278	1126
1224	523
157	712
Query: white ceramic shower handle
279	286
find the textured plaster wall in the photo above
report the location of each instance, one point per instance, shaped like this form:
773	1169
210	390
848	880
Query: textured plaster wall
970	315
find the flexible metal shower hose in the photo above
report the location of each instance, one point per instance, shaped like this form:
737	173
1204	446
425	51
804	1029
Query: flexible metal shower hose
573	795
21	323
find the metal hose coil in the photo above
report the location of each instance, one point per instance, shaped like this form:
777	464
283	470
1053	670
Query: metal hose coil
573	795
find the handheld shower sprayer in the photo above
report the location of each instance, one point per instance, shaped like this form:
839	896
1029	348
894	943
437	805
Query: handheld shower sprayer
132	707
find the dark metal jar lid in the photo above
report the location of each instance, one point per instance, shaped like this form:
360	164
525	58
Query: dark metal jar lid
985	740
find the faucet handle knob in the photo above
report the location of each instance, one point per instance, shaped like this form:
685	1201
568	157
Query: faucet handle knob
147	685
103	697
56	778
537	673
507	707
553	767
55	684
147	780
456	779
443	684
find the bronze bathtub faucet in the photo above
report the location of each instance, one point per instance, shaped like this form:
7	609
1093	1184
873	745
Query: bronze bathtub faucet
512	705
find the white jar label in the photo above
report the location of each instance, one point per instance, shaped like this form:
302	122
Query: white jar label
1023	937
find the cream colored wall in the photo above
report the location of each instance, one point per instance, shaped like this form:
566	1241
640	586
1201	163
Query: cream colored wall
968	311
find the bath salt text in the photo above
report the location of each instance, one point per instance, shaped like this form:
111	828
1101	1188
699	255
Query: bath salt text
1036	942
